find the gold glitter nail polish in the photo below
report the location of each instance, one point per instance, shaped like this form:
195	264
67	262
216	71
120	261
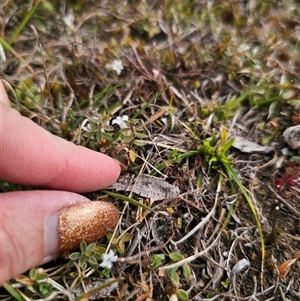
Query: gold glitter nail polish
85	222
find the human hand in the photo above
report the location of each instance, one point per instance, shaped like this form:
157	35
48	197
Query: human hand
32	156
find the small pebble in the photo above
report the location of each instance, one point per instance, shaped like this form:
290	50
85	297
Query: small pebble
292	136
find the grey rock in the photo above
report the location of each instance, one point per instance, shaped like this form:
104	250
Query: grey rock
292	136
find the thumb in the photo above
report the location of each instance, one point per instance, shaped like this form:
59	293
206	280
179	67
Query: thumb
36	225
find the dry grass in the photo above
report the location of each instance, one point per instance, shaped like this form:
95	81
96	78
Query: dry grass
192	71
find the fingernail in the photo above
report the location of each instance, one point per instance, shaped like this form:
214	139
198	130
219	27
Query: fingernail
66	229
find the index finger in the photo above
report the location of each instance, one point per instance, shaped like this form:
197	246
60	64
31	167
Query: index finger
30	155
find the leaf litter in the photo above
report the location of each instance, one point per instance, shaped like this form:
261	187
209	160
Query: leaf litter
146	186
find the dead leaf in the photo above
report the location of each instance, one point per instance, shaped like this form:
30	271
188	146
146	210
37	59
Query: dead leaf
285	267
247	146
146	186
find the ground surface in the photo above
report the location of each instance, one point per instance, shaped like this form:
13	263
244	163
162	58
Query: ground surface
190	76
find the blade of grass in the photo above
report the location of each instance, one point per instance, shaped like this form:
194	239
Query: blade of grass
127	199
24	22
7	47
232	174
149	102
14	293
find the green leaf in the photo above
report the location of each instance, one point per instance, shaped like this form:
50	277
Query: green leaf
174	277
13	292
127	139
182	295
97	256
140	135
83	246
227	145
107	136
186	271
42	276
296	159
125	130
100	249
156	260
92	261
176	256
174	155
126	237
287	95
32	274
99	136
233	103
121	246
139	142
73	274
45	288
81	262
90	247
74	256
294	102
84	265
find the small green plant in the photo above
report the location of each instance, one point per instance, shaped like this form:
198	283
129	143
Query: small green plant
157	260
226	283
34	283
89	255
119	242
210	295
105	273
216	154
215	149
99	130
174	273
228	110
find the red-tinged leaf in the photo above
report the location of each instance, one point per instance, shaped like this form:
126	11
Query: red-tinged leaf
290	177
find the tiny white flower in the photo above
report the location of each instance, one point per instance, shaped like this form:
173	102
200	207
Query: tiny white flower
86	126
120	121
108	259
116	65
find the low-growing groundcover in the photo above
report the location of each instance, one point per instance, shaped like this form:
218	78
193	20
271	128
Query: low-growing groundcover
166	87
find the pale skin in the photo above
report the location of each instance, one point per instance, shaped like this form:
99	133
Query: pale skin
30	155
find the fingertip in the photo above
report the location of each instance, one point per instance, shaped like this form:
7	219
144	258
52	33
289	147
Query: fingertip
84	170
49	161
